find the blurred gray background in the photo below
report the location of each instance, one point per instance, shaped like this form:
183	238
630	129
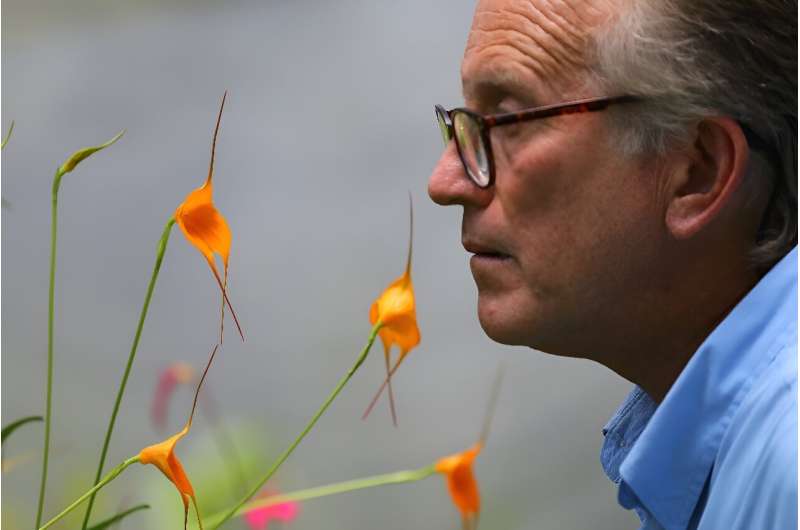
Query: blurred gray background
329	124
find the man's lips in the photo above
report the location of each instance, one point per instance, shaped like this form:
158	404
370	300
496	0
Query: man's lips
483	250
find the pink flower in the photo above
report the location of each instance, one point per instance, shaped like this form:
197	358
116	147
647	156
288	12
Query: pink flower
173	375
259	518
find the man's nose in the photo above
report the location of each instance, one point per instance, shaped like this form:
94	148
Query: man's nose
450	184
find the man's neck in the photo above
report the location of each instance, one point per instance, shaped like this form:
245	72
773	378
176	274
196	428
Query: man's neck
678	327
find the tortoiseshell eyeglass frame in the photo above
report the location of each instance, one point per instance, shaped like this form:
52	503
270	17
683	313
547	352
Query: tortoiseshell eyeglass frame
485	123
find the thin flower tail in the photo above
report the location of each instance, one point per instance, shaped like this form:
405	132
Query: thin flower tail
410	237
200	383
223	287
197	512
214	140
222	303
386	383
389	384
224	283
491	407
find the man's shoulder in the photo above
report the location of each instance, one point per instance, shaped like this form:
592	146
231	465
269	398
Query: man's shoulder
765	421
754	480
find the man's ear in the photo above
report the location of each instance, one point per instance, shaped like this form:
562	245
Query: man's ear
718	161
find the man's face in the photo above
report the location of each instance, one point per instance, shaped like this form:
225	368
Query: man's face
562	239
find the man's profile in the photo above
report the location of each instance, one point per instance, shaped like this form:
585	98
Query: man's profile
628	178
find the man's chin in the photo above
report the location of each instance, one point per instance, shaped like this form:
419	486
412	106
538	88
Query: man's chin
515	322
501	324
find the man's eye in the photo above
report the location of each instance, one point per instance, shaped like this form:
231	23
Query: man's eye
518	131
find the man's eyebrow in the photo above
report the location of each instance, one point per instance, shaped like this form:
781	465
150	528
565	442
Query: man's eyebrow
492	86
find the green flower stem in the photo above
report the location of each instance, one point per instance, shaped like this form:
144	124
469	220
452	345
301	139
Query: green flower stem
115	520
50	317
398	477
281	459
63	169
114	473
162	247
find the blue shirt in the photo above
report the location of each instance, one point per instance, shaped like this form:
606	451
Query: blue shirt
720	451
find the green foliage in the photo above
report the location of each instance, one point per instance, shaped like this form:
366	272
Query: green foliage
78	156
5	140
111	520
14	425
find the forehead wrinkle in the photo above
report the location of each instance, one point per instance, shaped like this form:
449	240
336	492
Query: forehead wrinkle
552	26
504	74
548	41
591	13
534	46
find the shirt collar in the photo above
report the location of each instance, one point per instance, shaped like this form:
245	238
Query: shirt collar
677	442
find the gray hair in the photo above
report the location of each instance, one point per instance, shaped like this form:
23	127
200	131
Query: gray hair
696	58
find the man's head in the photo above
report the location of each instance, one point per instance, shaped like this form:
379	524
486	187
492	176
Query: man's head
602	227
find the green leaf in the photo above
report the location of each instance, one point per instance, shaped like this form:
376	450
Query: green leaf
78	156
14	425
5	140
111	520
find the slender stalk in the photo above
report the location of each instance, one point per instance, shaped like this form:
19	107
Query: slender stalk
13	426
114	473
282	458
115	520
161	249
398	477
50	318
5	140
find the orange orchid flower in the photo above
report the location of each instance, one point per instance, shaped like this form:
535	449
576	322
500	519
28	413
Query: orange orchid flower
395	310
162	455
457	468
206	229
462	484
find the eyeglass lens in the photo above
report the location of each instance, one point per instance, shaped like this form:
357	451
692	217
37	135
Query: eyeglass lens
472	148
443	126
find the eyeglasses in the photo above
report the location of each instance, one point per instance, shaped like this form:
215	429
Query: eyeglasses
471	130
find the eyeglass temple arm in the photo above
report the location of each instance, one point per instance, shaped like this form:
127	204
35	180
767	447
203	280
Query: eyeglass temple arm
574	107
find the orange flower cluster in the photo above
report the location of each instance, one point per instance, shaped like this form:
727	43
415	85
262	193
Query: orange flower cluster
206	229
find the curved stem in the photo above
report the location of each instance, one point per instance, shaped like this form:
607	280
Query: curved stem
50	318
13	426
162	247
398	477
282	458
114	473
